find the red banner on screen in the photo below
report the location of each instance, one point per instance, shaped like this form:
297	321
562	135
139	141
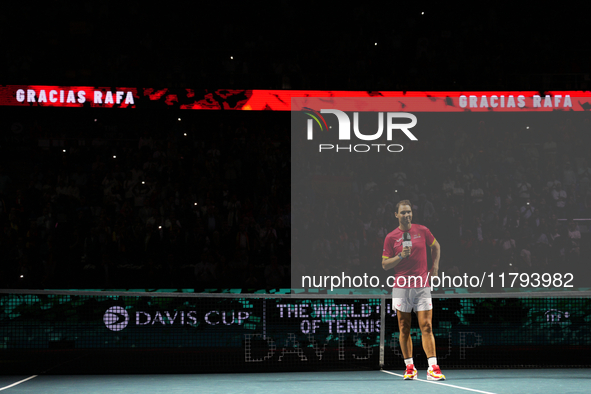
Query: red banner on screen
281	100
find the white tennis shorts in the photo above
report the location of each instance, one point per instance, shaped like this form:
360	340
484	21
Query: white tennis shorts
407	300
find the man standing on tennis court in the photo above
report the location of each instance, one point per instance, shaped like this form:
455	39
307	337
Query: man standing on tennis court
405	251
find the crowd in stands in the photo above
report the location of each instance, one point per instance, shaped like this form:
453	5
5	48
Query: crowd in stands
148	200
165	202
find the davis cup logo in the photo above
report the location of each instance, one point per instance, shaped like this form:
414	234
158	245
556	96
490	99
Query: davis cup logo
116	318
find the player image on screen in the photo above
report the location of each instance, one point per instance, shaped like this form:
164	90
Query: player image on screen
405	251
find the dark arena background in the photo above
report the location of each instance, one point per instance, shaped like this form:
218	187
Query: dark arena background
148	203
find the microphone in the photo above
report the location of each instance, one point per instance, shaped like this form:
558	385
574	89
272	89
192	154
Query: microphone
406	240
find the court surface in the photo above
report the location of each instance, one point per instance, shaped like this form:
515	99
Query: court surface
497	381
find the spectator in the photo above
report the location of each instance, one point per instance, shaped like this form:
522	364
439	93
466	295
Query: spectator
477	196
557	252
268	237
242	239
508	248
559	196
458	191
525	262
543	245
523	189
478	231
274	274
427	208
574	248
527	209
448	186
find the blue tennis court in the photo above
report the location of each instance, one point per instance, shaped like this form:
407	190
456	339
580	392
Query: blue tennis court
497	381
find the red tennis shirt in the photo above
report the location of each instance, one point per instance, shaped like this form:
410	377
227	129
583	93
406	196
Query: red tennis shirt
415	264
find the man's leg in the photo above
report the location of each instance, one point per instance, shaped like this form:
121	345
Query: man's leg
425	318
404	320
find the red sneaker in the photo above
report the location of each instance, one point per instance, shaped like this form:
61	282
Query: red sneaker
411	372
434	373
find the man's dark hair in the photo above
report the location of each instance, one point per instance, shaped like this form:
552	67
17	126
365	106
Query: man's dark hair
403	202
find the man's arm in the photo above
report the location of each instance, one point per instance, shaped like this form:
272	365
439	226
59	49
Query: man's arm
389	263
435	253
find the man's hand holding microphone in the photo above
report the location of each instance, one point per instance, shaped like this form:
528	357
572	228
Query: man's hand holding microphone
406	245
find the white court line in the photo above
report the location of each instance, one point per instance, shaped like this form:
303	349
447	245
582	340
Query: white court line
442	384
14	384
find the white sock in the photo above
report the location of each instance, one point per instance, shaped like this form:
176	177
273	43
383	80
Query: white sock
432	361
408	361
